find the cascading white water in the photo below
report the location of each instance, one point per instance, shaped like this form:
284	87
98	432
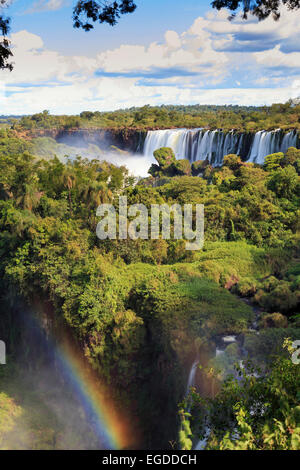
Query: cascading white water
180	140
289	140
200	445
202	144
266	143
191	380
194	144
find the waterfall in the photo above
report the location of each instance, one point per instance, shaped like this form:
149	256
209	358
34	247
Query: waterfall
200	445
213	145
266	143
289	140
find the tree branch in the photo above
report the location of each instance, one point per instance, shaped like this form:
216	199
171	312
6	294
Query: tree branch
87	11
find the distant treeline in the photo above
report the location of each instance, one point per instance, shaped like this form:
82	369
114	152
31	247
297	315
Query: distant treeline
241	118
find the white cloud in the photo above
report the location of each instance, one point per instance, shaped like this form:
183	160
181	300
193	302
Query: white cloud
172	39
181	55
185	68
251	35
47	5
276	58
34	64
108	94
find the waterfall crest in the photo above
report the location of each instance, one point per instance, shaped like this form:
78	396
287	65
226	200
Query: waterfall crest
213	145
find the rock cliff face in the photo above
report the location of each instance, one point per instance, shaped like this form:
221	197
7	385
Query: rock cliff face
129	139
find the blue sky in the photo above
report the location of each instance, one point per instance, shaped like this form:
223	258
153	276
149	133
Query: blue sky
148	23
179	52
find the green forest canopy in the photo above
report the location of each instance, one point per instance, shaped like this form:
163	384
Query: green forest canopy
137	308
242	118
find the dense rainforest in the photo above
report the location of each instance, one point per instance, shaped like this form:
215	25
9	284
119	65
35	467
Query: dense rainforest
141	311
242	118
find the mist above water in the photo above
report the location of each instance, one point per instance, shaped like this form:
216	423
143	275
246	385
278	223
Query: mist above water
136	163
193	144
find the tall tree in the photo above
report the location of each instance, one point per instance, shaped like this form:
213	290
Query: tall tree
5	52
69	180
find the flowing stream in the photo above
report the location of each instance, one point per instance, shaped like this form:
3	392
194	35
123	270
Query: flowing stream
192	375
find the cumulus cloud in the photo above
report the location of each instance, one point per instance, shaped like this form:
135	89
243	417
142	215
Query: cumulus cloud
36	64
214	61
251	35
276	59
176	57
172	39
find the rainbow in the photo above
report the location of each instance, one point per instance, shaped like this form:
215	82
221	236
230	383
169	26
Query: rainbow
110	426
107	424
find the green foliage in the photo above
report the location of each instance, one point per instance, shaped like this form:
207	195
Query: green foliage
182	167
232	161
241	118
280	295
11	145
285	182
164	157
291	157
255	412
246	287
199	166
138	308
263	347
185	433
274	320
168	165
273	161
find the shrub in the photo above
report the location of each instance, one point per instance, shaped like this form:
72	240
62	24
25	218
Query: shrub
246	287
281	298
232	161
181	167
199	166
291	156
274	320
284	182
273	162
164	156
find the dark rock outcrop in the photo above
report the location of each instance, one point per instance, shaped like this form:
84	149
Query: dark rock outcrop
128	139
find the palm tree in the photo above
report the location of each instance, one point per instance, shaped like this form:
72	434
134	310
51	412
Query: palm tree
26	192
95	193
69	180
30	198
